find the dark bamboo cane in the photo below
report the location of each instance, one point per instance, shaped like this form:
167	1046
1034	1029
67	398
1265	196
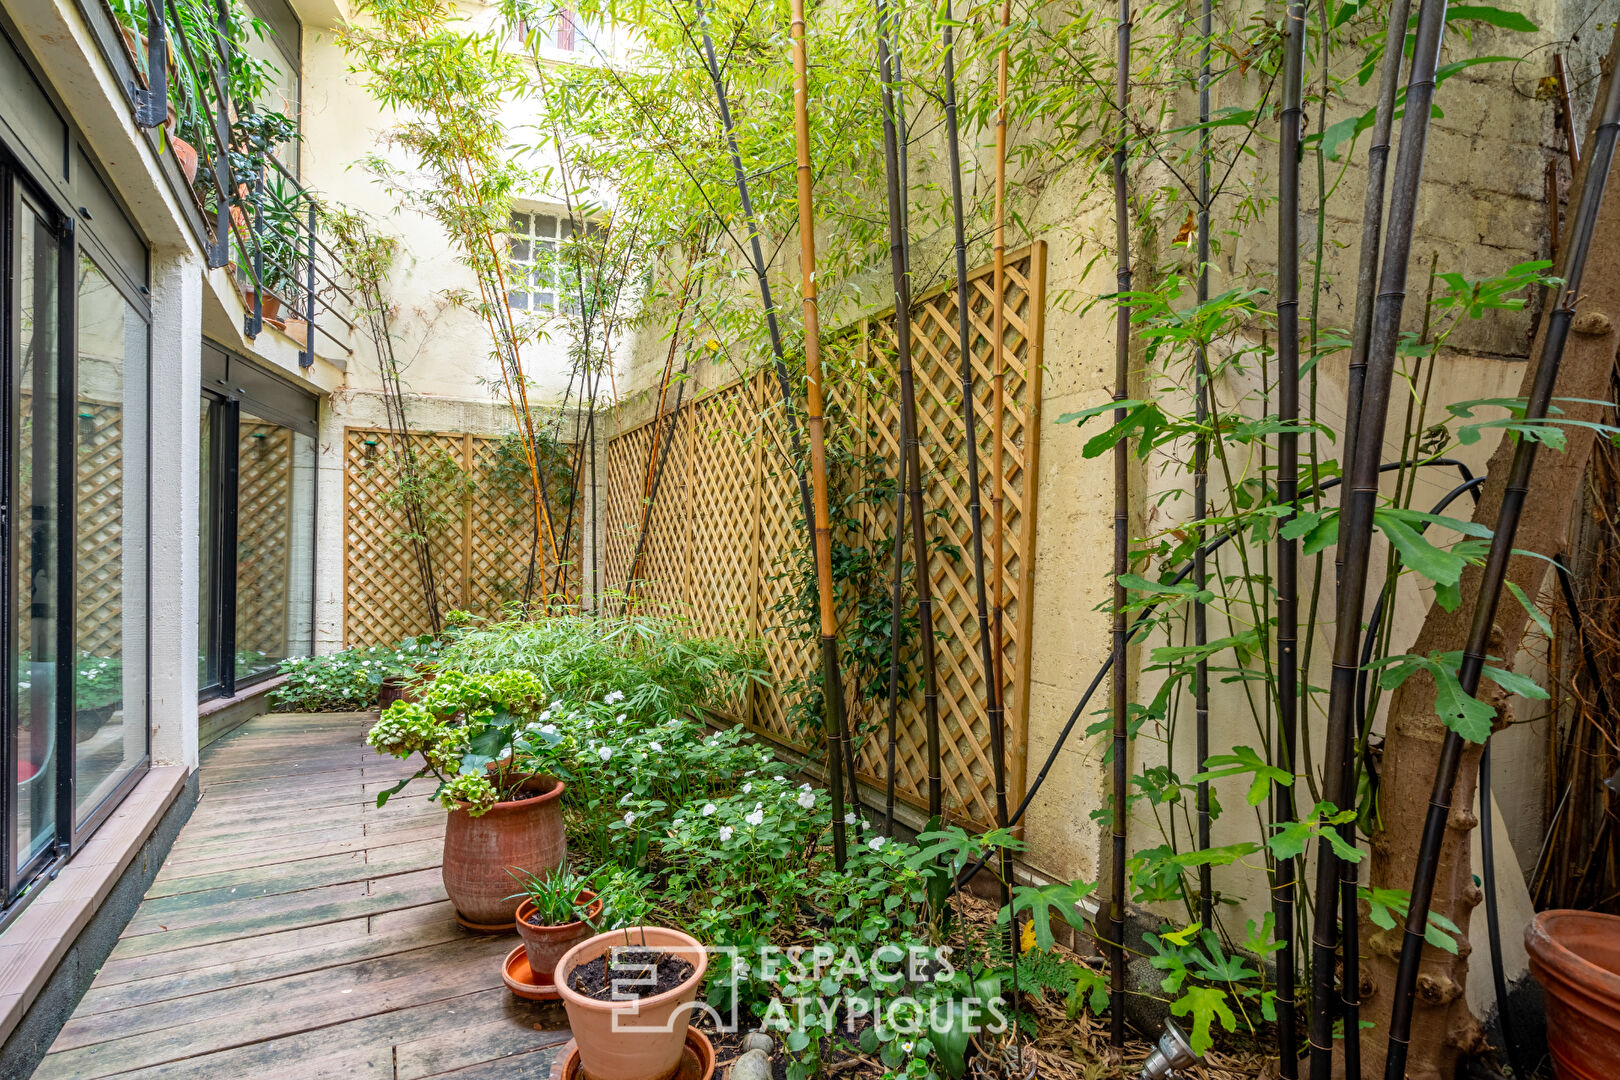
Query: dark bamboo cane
1356	517
1287	579
1122	541
1372	217
832	688
908	411
998	385
1600	157
994	714
896	587
1200	610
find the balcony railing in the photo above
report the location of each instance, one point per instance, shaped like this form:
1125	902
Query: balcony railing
285	260
255	213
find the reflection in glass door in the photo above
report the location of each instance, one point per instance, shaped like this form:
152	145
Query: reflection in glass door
35	521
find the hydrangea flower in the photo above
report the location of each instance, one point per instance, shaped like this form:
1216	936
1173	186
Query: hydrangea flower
807	797
604	752
725	833
709	809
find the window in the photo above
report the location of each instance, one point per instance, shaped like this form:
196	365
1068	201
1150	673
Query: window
532	245
256	602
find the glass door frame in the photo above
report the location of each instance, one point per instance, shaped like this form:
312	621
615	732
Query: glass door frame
234	385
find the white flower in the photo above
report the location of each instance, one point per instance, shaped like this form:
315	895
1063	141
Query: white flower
907	1047
709	809
548	729
849	818
604	752
630	817
757	818
677	821
748	789
545	716
612	697
725	833
656	747
877	842
555	705
619	719
807	799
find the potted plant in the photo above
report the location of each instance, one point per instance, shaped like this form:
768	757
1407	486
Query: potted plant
629	994
487	740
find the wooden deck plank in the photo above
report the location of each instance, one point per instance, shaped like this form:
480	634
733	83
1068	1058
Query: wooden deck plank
296	931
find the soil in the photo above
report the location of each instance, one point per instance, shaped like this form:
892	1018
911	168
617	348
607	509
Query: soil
595	978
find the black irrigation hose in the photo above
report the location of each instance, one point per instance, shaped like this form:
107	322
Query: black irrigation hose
1147	613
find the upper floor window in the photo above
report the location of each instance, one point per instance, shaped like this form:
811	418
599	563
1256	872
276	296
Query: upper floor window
532	244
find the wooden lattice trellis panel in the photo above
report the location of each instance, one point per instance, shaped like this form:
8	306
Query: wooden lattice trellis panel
727	524
479	533
99	517
263	520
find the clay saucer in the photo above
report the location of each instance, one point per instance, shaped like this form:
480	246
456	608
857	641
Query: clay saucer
522	981
487	928
697	1060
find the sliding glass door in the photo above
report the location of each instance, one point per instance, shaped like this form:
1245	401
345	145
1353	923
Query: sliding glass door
257	521
73	503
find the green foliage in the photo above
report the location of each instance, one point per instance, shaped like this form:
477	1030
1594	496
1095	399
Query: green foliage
349	679
98	682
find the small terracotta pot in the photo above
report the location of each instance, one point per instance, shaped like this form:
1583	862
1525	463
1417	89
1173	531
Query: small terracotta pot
697	1060
524	834
1575	956
298	330
394	688
632	1040
185	155
546	945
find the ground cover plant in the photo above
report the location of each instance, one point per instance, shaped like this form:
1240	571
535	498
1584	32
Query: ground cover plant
348	679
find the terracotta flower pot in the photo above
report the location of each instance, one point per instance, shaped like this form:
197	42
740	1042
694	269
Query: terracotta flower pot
1575	956
524	834
697	1060
395	688
632	1040
185	155
547	944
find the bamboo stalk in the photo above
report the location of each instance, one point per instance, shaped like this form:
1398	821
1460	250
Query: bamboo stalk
1372	219
998	379
896	586
1200	610
994	713
1122	553
1599	160
908	413
833	684
1359	500
1287	579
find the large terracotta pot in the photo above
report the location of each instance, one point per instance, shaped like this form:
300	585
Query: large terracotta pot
545	945
480	852
649	1037
1575	956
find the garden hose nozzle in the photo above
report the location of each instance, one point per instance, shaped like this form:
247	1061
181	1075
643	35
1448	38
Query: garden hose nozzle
1173	1052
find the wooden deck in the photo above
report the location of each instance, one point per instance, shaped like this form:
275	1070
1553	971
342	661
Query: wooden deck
298	931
